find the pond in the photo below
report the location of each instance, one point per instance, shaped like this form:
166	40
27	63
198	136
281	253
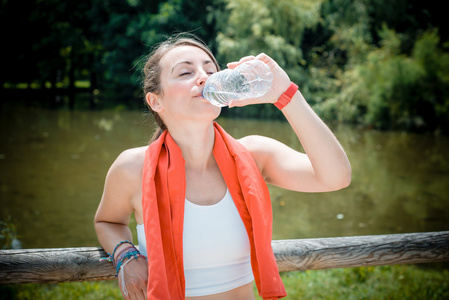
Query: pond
53	165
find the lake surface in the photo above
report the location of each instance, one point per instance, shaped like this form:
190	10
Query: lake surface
53	165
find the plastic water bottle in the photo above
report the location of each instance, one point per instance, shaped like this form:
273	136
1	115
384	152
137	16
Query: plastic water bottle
251	79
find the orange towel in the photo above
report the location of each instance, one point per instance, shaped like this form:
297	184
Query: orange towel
163	214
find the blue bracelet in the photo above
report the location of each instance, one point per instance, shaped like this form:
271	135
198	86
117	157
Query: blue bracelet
129	254
121	243
111	256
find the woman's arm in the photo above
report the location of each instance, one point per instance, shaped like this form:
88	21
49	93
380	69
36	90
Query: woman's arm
112	220
115	209
324	167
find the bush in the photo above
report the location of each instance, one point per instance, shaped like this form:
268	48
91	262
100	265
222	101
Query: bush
396	91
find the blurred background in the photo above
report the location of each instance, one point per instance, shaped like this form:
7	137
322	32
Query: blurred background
376	71
380	64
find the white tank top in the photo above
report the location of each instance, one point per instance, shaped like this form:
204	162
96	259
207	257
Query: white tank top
216	249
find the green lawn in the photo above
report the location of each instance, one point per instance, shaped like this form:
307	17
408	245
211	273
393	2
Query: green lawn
384	282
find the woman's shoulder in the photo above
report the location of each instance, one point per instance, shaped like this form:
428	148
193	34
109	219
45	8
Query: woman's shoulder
256	143
133	153
259	148
263	148
130	161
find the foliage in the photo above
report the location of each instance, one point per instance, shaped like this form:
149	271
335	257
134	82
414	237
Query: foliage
56	42
392	90
274	27
379	68
47	38
377	63
384	282
77	290
130	28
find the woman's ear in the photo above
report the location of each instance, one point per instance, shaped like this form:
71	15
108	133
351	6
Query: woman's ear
153	101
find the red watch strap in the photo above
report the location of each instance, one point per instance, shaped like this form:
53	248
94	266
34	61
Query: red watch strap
287	96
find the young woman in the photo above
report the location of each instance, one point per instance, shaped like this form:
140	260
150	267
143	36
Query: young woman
199	196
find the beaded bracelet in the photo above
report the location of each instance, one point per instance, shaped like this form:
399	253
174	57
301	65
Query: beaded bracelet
136	254
124	254
119	244
111	256
122	281
287	96
122	277
123	251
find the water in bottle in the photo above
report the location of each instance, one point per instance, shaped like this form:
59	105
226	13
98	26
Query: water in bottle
251	79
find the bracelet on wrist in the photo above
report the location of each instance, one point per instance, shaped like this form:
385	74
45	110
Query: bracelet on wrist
118	245
287	96
111	256
130	253
122	269
123	251
124	255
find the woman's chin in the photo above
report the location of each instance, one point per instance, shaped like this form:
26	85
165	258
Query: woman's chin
211	107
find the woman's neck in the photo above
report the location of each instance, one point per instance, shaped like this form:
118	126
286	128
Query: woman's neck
196	142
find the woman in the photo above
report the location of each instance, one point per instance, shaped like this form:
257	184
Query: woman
199	196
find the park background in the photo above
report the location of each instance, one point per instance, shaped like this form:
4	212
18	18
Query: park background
376	71
382	64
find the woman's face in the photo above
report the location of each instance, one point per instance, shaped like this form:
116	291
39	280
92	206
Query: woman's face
184	71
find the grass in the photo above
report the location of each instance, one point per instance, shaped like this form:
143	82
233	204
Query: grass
95	290
383	282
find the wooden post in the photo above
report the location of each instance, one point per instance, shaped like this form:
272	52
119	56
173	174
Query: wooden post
54	265
83	264
361	251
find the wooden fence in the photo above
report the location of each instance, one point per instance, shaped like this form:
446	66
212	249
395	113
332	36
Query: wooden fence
83	264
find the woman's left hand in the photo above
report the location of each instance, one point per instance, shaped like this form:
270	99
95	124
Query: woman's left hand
280	83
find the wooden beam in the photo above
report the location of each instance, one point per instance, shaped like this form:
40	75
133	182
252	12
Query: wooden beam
361	251
83	264
53	265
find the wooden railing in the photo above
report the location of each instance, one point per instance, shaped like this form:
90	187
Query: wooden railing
83	264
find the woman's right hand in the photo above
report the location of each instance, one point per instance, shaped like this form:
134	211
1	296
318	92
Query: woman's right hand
133	279
280	83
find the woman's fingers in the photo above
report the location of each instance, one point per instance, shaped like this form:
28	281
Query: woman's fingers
134	292
133	279
280	81
232	65
144	293
262	56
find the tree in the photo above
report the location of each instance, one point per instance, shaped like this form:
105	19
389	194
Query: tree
275	27
383	65
130	28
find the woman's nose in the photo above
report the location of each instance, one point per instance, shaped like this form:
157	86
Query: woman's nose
202	77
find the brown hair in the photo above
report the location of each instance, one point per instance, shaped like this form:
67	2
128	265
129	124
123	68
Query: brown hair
152	69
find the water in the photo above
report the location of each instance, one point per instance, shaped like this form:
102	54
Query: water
53	165
251	79
220	98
